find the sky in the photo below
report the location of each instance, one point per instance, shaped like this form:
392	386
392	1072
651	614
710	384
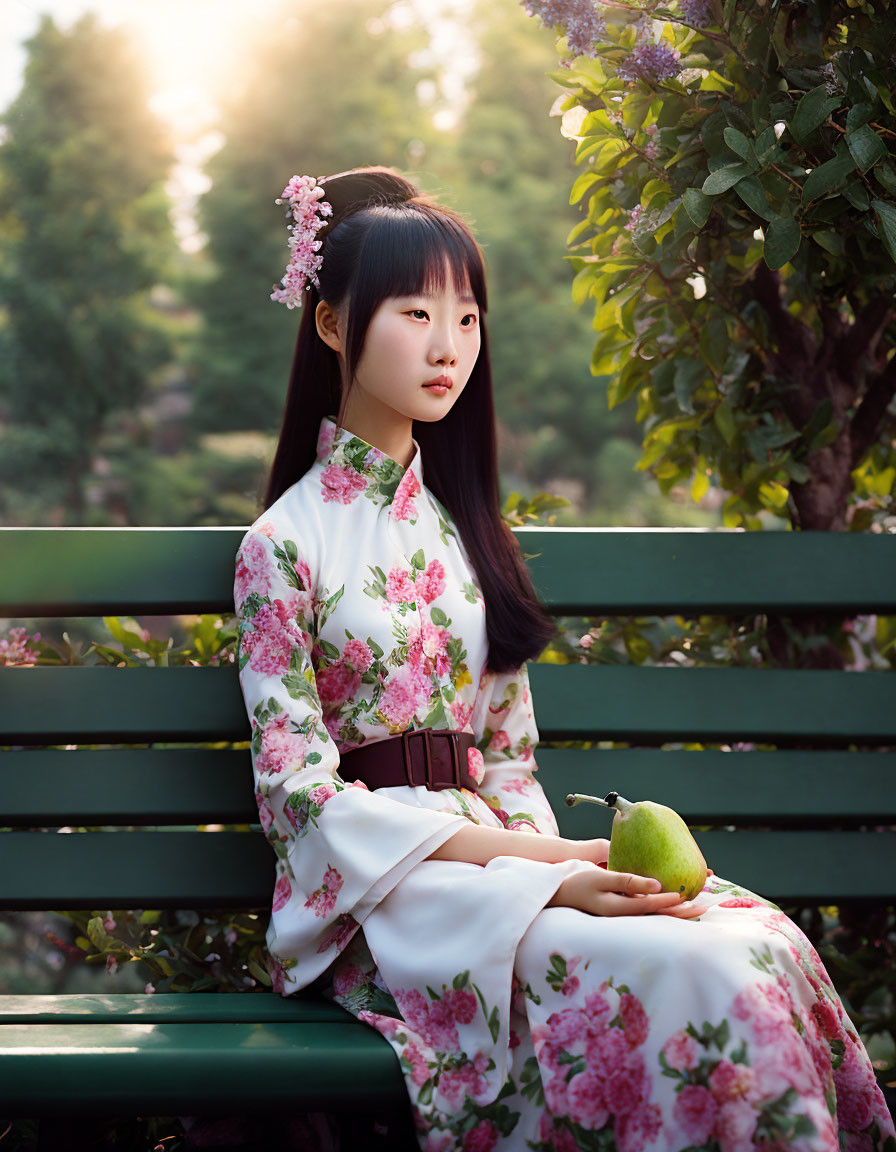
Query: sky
185	40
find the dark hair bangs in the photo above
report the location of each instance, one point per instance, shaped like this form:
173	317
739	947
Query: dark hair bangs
408	251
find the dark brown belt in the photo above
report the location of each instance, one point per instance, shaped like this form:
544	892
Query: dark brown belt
433	758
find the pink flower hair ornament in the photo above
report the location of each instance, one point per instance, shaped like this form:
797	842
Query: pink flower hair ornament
306	207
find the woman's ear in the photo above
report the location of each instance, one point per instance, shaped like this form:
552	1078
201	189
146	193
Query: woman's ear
329	326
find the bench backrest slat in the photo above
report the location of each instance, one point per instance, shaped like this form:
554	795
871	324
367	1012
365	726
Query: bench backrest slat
127	786
577	571
236	869
572	702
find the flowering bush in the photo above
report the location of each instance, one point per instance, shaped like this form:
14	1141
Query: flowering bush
739	243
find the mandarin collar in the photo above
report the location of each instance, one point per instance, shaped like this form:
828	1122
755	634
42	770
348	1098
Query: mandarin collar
383	475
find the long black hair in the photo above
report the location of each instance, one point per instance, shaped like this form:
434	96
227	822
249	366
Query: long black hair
386	239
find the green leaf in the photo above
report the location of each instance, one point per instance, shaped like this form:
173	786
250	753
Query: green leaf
582	183
858	115
773	495
697	205
766	143
724	178
782	241
689	375
857	194
753	195
811	112
723	418
439	617
866	147
714	342
885	174
828	177
885	214
741	145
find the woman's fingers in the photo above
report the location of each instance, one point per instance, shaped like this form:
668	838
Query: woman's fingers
629	882
614	904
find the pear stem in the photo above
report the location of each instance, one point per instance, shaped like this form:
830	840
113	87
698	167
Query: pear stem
578	797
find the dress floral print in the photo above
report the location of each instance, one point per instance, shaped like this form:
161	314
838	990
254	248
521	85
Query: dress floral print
517	1025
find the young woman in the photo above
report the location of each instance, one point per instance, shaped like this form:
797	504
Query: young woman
536	999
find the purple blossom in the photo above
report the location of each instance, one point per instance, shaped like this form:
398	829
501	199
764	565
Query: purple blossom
651	63
583	23
696	12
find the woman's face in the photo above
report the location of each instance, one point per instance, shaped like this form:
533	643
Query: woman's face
412	340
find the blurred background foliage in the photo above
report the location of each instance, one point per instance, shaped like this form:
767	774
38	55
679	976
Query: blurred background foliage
142	375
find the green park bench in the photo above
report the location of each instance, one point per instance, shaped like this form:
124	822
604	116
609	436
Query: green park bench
811	820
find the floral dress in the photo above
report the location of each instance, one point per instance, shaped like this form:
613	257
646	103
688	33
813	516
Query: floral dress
517	1025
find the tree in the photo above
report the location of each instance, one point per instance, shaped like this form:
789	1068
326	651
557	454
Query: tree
739	243
293	112
84	236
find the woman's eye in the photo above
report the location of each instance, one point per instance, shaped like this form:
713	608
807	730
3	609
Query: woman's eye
472	317
418	312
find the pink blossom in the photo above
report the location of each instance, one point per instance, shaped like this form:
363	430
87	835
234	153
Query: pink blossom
321	793
323	900
628	1084
741	902
419	1066
282	893
767	1009
325	439
273	639
476	764
339	933
253	572
462	1004
404	692
555	1094
439	1141
336	683
729	1081
111	964
482	1138
358	655
399	587
461	712
149	989
856	1090
634	1019
520	785
567	1026
347	979
340	484
587	1105
734	1127
499	741
281	748
681	1051
403	506
458	1083
587	640
431	583
597	1009
606	1050
827	1019
695	1112
304	573
570	985
387	1025
636	1128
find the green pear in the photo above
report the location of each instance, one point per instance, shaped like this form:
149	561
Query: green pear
652	840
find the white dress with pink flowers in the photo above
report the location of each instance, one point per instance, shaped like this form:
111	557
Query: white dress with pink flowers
518	1026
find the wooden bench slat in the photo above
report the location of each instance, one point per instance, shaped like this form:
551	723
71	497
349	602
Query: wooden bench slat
793	787
170	1007
192	1069
235	869
572	702
594	571
52	787
577	571
652	705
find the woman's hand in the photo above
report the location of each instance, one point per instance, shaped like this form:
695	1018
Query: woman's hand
601	892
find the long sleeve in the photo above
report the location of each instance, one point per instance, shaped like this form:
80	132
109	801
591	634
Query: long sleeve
340	848
503	722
